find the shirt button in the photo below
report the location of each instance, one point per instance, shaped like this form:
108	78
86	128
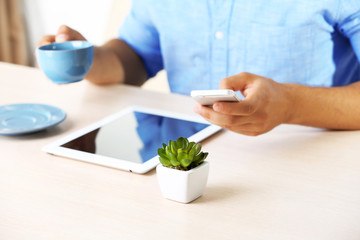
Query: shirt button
197	60
219	35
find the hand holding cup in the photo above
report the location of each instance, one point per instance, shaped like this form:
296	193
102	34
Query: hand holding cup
66	57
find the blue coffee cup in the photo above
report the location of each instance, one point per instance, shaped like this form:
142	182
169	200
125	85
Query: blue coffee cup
66	62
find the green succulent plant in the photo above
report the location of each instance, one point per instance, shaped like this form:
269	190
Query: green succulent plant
181	154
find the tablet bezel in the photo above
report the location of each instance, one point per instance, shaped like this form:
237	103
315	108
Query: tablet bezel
57	149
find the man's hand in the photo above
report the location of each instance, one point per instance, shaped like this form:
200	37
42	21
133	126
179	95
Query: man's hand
266	105
63	34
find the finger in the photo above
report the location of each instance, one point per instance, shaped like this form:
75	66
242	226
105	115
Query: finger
220	119
246	107
46	40
244	132
66	33
243	125
249	129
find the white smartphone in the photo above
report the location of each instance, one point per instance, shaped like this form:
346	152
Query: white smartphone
209	97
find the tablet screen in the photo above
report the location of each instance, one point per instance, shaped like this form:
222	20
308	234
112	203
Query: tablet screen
129	139
135	136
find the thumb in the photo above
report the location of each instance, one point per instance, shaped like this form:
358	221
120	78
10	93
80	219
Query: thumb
246	83
66	33
61	37
238	82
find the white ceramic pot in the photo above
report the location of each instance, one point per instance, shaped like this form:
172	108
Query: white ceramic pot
183	186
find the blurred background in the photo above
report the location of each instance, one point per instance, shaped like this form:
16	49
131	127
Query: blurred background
24	22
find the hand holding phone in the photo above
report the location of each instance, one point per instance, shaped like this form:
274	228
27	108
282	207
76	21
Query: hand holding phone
209	97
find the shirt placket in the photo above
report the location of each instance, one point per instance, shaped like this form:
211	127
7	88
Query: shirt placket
220	15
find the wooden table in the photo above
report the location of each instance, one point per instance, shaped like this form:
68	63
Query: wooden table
292	183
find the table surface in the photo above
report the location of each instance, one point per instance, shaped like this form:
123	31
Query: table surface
292	183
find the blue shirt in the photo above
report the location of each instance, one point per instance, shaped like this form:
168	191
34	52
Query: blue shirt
199	42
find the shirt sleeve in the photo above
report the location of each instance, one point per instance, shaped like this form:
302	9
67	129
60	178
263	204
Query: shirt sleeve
349	23
141	35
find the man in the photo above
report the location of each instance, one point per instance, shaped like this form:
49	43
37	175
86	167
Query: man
294	61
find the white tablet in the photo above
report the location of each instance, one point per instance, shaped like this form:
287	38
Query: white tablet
129	139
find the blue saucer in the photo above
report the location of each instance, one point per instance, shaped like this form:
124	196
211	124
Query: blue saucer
19	119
